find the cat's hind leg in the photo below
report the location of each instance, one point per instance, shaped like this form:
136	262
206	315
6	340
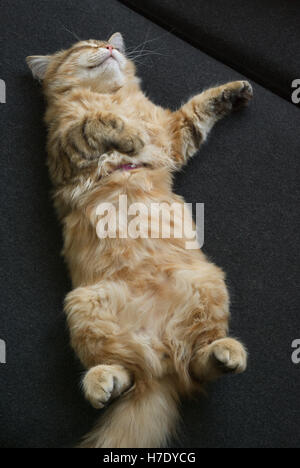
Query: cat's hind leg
223	356
114	356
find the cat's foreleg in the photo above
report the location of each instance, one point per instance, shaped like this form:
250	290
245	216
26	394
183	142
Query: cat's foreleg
195	119
112	132
85	140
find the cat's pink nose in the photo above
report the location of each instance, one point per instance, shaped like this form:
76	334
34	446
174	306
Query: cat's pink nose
110	48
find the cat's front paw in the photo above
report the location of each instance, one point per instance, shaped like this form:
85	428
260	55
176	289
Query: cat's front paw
230	356
103	384
114	123
240	94
233	96
129	144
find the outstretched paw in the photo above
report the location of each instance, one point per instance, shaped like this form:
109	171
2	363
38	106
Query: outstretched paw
239	95
233	96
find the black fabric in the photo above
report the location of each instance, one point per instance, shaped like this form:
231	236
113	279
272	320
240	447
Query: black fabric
259	38
248	177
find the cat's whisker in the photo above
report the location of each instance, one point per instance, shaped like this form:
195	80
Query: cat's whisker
154	39
71	32
141	47
147	50
146	53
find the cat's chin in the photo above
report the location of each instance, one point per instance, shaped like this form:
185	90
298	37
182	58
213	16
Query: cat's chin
110	80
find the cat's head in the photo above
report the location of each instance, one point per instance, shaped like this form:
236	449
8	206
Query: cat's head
101	65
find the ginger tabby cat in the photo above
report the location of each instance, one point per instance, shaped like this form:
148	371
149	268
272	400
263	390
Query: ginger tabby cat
148	318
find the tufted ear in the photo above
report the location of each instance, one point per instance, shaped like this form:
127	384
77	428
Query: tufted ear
117	41
38	65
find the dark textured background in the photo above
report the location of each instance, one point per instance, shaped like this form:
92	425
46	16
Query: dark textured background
247	176
259	38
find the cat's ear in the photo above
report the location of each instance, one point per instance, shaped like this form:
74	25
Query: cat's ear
38	65
117	41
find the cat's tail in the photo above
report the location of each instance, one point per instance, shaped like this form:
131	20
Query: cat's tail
146	417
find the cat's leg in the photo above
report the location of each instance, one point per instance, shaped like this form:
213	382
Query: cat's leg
199	325
113	356
194	120
104	383
92	316
96	134
113	133
223	356
214	353
98	342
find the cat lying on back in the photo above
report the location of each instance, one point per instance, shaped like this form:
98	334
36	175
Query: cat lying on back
148	318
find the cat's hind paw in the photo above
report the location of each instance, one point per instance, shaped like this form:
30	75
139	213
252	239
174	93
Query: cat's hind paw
103	384
230	356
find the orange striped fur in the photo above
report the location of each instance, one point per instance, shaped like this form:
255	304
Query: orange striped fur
148	318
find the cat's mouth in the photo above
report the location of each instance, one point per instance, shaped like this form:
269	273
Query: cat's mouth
131	167
93	67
